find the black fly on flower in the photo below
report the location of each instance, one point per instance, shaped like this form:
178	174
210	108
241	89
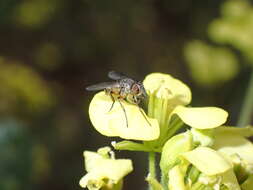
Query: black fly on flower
122	88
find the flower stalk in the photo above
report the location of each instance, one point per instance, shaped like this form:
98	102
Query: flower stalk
152	165
247	107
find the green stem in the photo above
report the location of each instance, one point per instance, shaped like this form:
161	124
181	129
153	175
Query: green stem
164	181
152	166
245	115
152	169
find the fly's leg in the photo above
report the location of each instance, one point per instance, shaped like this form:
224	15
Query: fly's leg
137	101
113	101
123	111
108	92
144	115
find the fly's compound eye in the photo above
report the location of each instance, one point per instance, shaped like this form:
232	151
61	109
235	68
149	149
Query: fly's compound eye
135	89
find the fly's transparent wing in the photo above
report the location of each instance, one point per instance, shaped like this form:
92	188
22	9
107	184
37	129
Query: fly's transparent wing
102	86
116	75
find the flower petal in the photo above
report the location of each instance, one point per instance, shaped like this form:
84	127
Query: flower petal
167	87
101	169
114	123
233	144
174	147
229	179
207	160
176	179
204	137
201	117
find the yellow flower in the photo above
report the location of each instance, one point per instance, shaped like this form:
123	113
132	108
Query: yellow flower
228	163
113	123
232	143
169	96
104	171
216	170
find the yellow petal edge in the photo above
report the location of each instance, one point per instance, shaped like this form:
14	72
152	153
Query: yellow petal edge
201	117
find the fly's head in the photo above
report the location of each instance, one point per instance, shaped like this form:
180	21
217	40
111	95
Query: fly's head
138	90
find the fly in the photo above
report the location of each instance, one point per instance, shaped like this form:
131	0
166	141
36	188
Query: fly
123	88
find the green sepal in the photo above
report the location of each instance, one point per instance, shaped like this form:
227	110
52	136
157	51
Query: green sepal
133	146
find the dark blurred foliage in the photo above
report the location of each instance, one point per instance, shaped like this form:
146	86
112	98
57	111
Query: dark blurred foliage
51	49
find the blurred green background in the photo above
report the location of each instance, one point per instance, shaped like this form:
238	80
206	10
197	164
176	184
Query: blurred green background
50	50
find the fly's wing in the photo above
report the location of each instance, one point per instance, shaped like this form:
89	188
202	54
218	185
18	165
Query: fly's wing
116	75
101	86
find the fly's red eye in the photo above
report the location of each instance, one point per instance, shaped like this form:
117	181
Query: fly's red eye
135	89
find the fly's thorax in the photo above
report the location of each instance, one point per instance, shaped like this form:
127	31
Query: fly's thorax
126	84
125	87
